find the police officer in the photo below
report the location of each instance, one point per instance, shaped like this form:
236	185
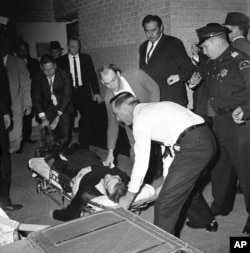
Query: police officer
228	77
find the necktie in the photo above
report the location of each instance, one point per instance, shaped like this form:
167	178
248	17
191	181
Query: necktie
75	71
52	96
150	50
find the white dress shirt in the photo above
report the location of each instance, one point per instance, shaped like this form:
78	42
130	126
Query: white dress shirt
125	87
162	122
72	69
149	47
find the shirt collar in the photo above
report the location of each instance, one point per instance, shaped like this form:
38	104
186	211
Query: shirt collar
238	37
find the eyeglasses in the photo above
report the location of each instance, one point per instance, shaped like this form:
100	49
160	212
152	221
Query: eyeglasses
112	81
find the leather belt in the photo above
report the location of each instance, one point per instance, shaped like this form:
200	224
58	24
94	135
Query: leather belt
221	111
187	130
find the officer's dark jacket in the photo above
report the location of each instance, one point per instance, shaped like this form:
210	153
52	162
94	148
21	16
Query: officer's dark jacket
228	81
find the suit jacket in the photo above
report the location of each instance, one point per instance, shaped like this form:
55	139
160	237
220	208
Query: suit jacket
242	44
19	83
144	88
92	178
88	73
4	136
168	58
62	89
33	66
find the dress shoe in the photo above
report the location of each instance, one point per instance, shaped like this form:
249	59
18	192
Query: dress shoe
12	207
212	227
246	230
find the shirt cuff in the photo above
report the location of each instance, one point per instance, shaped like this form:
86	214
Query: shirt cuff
41	114
59	113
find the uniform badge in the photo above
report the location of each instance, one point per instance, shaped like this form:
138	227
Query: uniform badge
244	64
223	72
234	54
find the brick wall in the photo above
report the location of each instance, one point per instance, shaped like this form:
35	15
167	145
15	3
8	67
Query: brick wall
111	32
111	29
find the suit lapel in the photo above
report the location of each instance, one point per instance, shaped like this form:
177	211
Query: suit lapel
158	47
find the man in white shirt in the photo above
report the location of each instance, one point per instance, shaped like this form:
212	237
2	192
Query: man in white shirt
182	134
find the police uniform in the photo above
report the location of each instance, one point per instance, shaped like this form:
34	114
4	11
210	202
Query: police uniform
228	79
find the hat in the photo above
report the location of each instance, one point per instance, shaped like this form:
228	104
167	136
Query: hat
209	31
55	45
237	19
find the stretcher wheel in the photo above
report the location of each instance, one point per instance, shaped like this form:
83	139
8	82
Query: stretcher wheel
39	187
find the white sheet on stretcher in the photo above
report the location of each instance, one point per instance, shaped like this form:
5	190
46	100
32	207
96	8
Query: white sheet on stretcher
40	167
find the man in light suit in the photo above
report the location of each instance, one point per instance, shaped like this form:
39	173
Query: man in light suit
164	58
51	96
140	85
84	84
19	84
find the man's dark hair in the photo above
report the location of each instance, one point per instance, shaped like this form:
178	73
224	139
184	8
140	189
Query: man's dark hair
74	38
152	18
23	42
120	189
47	58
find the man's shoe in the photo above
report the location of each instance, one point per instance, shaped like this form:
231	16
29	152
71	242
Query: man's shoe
246	230
212	227
12	207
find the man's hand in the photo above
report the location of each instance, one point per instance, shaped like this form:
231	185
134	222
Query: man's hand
194	80
238	115
97	98
126	201
27	110
109	160
53	125
45	121
173	79
6	118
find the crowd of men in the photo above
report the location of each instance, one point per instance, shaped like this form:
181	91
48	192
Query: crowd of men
151	102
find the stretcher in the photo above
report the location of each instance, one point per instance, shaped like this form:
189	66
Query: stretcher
54	184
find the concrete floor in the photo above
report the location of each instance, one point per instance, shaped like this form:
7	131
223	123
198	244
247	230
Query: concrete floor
36	207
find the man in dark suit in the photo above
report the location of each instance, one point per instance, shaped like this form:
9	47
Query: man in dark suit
238	24
33	67
94	181
51	96
164	58
5	161
84	82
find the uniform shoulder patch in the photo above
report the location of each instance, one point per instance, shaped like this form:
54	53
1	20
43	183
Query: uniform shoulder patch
234	54
244	64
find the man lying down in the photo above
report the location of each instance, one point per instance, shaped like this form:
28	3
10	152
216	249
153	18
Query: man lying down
90	182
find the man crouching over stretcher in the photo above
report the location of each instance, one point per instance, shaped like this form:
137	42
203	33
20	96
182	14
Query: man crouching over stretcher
93	181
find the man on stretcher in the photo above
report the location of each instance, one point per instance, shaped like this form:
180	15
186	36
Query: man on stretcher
89	183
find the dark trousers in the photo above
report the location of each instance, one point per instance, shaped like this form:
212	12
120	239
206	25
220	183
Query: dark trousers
27	126
82	102
62	133
197	148
5	166
234	159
